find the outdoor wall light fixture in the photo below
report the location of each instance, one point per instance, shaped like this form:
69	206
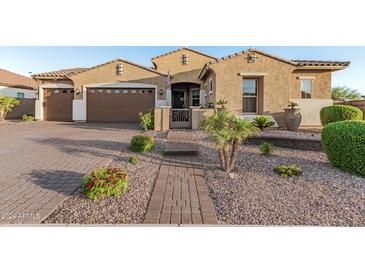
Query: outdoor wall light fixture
251	58
161	91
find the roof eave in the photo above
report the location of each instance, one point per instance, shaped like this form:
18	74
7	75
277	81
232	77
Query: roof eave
324	67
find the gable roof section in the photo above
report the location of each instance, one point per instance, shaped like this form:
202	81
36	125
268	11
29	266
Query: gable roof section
184	48
67	73
14	80
62	73
128	62
296	63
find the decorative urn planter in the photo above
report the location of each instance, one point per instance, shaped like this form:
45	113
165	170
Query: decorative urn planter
292	117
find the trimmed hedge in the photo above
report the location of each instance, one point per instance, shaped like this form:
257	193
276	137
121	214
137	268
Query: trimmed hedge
344	144
142	143
338	113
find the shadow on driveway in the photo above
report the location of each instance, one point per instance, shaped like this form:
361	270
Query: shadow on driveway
61	181
103	126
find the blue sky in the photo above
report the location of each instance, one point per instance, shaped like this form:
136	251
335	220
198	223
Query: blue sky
23	60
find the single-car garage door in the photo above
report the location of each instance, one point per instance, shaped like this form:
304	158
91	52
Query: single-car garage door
119	105
58	105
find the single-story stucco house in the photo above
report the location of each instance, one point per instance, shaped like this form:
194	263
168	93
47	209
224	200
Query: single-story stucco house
184	85
21	87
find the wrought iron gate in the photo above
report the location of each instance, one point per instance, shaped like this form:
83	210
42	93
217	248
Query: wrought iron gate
180	118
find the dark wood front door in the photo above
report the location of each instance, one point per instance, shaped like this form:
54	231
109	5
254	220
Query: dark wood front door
58	105
178	99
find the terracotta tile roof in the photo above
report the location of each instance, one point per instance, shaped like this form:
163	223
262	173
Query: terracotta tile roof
184	48
297	63
129	62
67	73
11	79
62	73
321	63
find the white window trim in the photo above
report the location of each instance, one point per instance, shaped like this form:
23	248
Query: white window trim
250	96
306	77
300	88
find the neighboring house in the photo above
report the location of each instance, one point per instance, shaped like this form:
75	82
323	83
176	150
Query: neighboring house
184	86
20	87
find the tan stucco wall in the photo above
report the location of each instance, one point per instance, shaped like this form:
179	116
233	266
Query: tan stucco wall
173	62
131	73
278	82
310	110
191	76
321	83
210	98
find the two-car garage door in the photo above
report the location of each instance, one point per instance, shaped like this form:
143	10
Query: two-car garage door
118	105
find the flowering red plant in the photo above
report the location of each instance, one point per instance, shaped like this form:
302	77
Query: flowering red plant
105	182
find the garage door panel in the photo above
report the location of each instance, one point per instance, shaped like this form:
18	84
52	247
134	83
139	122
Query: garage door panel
118	106
58	105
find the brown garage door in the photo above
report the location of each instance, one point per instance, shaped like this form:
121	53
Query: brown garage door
118	105
58	105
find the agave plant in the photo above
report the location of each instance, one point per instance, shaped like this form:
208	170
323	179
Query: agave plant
7	104
228	132
263	122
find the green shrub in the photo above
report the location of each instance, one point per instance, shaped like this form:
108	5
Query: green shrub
142	143
134	160
147	120
262	122
344	144
288	171
338	113
105	182
266	148
27	118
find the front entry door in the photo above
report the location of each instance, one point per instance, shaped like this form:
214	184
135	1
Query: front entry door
178	99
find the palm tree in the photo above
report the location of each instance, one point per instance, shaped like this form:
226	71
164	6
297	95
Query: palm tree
239	130
343	93
216	127
7	104
228	132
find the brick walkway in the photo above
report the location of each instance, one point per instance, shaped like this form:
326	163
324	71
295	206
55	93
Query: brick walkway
180	194
41	164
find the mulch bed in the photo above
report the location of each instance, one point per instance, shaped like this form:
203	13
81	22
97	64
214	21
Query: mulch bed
256	195
127	209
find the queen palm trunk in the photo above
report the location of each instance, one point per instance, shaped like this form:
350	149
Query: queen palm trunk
234	153
226	159
2	115
221	159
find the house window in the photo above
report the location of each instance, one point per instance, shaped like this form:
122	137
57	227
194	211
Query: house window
195	97
306	88
249	97
185	59
20	95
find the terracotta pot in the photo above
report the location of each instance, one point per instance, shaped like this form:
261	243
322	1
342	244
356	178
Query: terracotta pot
292	119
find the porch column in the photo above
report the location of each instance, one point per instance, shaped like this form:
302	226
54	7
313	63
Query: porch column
202	97
162	118
79	107
39	105
168	97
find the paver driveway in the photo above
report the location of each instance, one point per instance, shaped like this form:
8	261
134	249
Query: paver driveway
41	163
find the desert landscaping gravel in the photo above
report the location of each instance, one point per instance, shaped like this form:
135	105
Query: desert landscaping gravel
127	209
256	195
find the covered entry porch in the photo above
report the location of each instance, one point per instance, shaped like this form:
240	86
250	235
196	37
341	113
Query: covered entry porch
184	97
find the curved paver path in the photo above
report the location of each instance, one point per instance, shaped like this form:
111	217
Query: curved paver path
41	163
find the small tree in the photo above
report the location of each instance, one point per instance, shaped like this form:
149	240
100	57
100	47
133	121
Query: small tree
345	93
7	104
227	132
